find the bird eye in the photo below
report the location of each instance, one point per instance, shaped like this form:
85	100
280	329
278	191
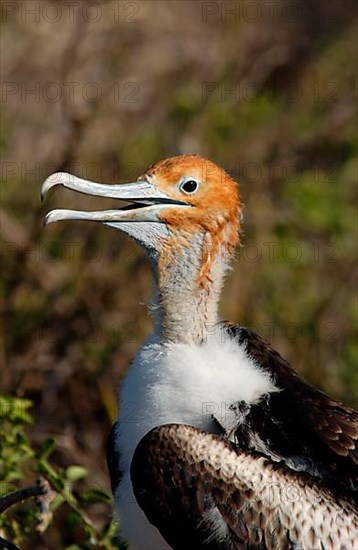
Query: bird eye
189	186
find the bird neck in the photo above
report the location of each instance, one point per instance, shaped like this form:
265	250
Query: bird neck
188	280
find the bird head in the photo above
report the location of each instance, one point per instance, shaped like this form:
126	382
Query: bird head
176	202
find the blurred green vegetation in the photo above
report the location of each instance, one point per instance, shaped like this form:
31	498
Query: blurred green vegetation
20	521
272	101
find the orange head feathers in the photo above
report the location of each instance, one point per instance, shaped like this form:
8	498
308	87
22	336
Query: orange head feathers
214	198
211	192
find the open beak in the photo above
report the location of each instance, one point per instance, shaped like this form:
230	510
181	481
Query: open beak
146	200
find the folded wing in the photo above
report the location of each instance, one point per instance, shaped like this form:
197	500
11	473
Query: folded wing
197	487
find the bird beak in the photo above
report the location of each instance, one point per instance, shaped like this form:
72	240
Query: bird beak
147	200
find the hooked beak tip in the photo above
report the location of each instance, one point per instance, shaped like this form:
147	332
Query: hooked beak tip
59	178
51	217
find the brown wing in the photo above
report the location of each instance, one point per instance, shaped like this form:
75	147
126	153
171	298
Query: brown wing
201	493
300	424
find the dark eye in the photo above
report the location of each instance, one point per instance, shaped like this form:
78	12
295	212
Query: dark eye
189	186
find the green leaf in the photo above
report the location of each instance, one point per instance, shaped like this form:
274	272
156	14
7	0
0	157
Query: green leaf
96	495
75	473
15	409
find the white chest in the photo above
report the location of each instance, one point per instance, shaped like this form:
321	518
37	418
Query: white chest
180	383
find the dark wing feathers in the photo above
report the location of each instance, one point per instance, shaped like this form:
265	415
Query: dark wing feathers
302	425
196	487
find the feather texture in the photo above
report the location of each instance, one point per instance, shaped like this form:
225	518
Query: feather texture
197	487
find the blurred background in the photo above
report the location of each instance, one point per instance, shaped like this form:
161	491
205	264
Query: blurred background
104	89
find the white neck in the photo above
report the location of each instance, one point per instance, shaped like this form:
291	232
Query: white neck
185	309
